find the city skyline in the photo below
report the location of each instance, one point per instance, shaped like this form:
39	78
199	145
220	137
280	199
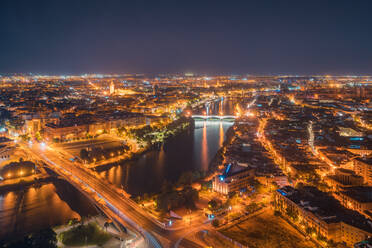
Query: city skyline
185	124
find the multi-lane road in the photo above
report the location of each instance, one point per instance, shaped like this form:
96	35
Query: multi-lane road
113	199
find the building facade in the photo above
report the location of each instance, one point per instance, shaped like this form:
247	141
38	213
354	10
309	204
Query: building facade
68	131
363	167
323	215
343	178
233	179
357	198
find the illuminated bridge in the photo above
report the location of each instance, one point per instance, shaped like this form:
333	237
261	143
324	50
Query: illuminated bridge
216	117
113	202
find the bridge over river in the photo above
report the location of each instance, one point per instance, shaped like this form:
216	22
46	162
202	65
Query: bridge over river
111	200
214	117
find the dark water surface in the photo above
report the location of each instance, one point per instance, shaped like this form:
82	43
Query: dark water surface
55	203
36	208
186	152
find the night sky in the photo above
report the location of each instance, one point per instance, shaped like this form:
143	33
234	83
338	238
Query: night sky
255	37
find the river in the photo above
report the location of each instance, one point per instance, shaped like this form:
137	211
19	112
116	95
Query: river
36	208
190	151
55	203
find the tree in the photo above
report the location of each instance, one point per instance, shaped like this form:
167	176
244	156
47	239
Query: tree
191	196
44	238
73	221
169	201
175	199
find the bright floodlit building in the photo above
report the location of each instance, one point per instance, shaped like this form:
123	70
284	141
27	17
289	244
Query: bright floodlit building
234	178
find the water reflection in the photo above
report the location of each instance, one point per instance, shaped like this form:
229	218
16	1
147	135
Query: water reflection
33	209
186	152
204	149
22	210
222	135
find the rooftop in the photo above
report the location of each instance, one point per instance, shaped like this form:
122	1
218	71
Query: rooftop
359	193
325	207
233	169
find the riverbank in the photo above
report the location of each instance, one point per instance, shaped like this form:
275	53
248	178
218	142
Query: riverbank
24	182
196	179
219	157
34	207
177	127
189	151
155	136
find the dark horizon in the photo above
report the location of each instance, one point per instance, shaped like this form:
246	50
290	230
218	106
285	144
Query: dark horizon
209	37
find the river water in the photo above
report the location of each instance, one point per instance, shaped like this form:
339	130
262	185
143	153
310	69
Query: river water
36	208
190	151
55	203
186	152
